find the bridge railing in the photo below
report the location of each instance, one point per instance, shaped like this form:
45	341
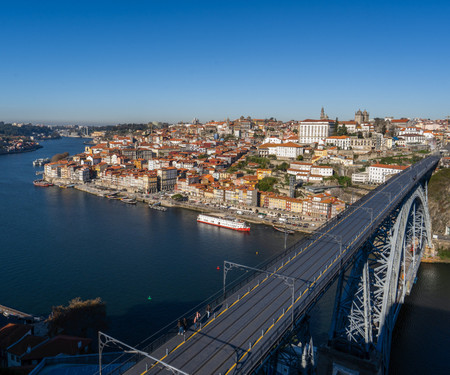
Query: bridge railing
273	337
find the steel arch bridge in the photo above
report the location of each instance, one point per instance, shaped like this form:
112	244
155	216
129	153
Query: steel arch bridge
373	249
370	296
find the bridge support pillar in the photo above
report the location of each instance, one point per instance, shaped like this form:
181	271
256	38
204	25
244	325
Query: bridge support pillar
295	354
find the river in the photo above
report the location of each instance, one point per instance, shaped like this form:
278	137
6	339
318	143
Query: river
58	244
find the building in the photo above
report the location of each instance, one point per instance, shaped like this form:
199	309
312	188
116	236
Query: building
360	178
315	131
322	205
167	178
322	170
10	335
261	173
379	173
361	117
341	141
288	150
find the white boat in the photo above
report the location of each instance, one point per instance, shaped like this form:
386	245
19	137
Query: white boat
229	223
129	200
41	162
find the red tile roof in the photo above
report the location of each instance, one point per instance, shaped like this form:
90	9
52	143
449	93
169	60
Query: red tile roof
12	333
29	341
58	345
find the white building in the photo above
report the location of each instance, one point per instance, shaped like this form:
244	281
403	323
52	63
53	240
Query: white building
315	131
301	166
379	172
272	140
360	178
322	170
288	150
413	139
341	141
410	130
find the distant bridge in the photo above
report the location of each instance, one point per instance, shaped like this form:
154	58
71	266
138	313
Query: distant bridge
373	248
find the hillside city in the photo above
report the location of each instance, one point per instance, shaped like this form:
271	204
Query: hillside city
295	172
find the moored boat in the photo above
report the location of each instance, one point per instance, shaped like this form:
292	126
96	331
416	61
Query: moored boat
283	230
229	223
157	206
41	162
113	196
42	183
129	200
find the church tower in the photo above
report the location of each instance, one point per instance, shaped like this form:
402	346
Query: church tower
359	117
323	116
365	116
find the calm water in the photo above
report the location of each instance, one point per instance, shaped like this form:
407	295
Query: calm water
57	244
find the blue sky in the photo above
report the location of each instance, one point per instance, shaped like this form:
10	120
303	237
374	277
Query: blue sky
138	61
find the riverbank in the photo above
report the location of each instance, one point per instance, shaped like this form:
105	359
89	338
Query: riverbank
165	201
436	259
20	151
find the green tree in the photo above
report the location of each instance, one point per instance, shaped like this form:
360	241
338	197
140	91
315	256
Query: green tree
266	184
283	166
300	157
344	181
342	130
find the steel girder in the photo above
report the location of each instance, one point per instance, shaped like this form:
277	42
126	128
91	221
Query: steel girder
369	297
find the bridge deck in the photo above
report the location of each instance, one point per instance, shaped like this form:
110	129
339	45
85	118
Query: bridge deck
244	330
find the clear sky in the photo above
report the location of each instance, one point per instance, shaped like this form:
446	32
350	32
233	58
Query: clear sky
137	61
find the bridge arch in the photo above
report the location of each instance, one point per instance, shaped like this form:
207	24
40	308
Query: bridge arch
369	298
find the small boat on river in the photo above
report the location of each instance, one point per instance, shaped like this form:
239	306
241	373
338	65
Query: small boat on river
283	230
129	200
42	183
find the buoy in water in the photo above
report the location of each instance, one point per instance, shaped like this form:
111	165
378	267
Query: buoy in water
149	298
218	268
257	253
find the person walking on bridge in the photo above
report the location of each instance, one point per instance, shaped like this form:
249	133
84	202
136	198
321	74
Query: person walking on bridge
208	311
180	327
196	319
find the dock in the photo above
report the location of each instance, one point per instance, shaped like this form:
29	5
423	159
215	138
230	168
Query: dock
8	311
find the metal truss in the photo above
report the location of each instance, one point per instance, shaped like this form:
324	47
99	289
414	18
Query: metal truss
105	340
369	298
295	351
